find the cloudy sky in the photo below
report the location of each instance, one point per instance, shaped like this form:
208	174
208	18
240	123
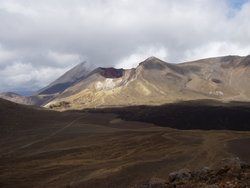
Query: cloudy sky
40	40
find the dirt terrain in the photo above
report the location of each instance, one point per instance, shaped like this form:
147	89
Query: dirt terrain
42	148
241	148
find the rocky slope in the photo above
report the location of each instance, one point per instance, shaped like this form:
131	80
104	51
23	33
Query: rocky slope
155	82
231	173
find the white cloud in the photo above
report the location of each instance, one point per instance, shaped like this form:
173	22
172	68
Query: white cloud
141	54
6	55
65	58
57	34
215	49
26	76
17	8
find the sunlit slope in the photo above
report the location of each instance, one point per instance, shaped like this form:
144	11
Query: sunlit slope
155	82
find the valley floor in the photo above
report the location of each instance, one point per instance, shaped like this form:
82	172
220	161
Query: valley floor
101	150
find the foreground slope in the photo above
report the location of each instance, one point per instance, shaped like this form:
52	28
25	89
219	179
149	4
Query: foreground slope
16	118
155	82
43	148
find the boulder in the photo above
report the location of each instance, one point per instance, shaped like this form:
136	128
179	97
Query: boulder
183	174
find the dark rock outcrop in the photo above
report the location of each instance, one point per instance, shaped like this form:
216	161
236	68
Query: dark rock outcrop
230	173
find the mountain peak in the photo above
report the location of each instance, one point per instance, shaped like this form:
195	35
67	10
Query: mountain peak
152	58
153	63
63	82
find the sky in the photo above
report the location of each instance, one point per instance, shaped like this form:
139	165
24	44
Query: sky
40	40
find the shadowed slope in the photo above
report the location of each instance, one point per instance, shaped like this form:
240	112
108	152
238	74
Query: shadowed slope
201	114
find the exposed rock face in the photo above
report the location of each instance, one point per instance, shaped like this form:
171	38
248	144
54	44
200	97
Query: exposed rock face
231	173
111	72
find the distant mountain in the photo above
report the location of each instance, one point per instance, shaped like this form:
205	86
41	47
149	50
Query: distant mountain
49	92
66	80
9	95
37	100
155	82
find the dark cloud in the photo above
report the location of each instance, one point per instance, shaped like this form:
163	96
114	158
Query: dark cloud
39	40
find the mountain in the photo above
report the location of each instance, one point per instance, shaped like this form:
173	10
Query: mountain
14	97
28	100
52	90
66	80
155	82
10	95
152	82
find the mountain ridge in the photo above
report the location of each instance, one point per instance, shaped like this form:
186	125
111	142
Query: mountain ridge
152	82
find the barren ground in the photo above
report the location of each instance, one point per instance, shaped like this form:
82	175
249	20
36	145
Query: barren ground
83	149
